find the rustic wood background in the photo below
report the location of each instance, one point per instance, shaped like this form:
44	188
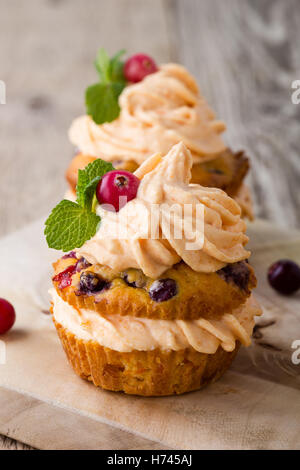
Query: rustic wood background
244	53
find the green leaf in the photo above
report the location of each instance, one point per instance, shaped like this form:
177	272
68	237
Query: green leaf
102	101
110	70
69	226
89	193
88	179
103	65
116	68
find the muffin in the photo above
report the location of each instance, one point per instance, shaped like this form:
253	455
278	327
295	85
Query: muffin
154	308
164	108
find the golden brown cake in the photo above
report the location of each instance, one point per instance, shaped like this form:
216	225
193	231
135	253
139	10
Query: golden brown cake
164	314
211	293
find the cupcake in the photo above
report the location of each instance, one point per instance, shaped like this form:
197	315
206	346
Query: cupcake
162	108
155	296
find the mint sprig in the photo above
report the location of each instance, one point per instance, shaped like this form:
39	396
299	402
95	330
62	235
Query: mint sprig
71	224
88	180
102	98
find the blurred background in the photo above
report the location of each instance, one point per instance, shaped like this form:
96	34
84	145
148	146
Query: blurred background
244	54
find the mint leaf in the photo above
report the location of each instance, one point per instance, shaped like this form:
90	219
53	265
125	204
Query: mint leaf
101	99
116	68
110	70
69	226
103	65
88	179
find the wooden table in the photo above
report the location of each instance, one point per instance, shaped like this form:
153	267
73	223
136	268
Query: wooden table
244	54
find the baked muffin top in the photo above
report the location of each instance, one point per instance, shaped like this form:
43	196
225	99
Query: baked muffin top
180	293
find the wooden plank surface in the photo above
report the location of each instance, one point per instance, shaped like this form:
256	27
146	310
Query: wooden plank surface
244	54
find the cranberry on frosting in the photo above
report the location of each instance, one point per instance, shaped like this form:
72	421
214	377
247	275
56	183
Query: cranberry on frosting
217	241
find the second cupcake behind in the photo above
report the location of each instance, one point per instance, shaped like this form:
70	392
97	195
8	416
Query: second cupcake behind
157	109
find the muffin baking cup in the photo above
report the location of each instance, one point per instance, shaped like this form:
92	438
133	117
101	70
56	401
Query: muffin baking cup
146	373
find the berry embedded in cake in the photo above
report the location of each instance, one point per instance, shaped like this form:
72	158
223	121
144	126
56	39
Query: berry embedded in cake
163	289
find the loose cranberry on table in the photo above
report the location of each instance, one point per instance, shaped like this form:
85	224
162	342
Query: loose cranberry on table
284	276
138	66
117	184
7	316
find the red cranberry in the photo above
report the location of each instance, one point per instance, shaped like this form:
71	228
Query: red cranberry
163	289
284	276
138	66
65	277
7	316
117	184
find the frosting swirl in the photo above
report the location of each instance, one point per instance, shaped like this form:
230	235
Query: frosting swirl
127	333
163	195
163	109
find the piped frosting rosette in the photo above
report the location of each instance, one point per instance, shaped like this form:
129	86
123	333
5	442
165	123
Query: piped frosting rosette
201	226
156	113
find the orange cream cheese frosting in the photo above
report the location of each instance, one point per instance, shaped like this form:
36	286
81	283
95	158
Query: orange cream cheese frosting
201	226
163	109
127	333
